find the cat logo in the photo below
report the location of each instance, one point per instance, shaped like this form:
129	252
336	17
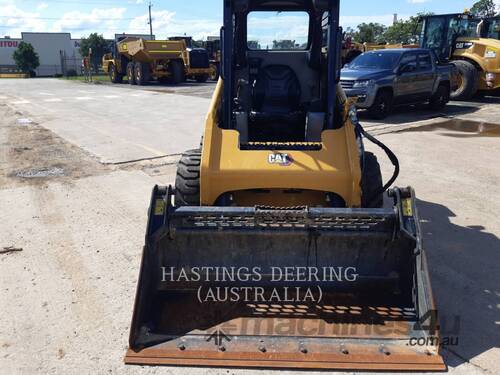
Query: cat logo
281	159
463	45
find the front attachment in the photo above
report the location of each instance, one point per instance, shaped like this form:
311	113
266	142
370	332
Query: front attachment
285	288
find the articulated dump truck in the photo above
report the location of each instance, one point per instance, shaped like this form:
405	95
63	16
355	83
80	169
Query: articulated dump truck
169	61
274	249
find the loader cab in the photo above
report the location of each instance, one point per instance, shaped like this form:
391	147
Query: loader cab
440	32
280	81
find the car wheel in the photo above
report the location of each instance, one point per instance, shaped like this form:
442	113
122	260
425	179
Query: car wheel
382	105
440	97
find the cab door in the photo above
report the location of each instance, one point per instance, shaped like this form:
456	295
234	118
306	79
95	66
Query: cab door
426	75
406	82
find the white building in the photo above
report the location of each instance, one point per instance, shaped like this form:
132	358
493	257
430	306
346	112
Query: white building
7	48
57	52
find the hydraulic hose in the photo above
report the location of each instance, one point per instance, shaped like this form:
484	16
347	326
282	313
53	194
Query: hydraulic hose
392	157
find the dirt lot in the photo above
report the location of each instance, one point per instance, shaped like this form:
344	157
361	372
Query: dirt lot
66	298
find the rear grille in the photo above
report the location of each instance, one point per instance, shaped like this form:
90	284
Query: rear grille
347	84
199	59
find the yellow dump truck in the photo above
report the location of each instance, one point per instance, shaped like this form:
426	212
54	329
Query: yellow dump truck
142	60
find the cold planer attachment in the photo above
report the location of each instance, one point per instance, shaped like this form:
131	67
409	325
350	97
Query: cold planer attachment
367	322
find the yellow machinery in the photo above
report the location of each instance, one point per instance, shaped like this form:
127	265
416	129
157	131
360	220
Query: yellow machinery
472	44
351	50
274	248
213	47
375	47
142	60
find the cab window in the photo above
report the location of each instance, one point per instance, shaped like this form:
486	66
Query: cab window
408	63
278	30
424	61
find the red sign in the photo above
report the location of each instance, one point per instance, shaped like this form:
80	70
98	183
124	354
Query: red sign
9	43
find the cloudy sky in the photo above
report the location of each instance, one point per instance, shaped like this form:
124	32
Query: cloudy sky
198	18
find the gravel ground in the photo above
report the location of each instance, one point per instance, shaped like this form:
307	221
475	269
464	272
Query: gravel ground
66	298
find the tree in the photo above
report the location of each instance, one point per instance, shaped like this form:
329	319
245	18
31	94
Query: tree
98	45
253	44
406	32
484	8
284	44
26	58
370	33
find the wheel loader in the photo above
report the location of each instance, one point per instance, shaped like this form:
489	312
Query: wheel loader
274	248
472	44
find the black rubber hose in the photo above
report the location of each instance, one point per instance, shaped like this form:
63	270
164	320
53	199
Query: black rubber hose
392	157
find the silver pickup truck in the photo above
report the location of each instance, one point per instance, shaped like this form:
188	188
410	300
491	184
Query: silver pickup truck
382	79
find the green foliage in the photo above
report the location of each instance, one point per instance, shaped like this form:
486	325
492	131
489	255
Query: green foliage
369	33
26	58
406	32
484	8
284	44
253	44
99	48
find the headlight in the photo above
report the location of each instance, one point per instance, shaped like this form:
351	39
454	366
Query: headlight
364	83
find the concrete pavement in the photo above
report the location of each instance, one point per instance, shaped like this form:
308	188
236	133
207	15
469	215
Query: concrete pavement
69	293
116	123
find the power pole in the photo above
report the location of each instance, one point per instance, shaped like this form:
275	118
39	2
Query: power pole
150	21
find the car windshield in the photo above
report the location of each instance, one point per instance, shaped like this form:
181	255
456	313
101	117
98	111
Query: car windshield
375	60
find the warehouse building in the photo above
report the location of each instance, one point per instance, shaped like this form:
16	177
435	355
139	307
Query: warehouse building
57	52
7	48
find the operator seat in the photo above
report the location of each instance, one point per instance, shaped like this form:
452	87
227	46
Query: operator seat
276	114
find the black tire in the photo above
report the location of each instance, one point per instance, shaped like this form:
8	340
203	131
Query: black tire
114	76
440	98
214	76
371	183
141	71
131	73
187	182
177	72
202	79
469	81
382	105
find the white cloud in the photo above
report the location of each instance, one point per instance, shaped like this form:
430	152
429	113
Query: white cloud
165	24
98	20
419	1
19	20
42	6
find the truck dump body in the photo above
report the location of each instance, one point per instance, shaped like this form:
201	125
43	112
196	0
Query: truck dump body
150	50
365	322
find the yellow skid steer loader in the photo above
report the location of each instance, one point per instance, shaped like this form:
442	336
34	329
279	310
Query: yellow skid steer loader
274	248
